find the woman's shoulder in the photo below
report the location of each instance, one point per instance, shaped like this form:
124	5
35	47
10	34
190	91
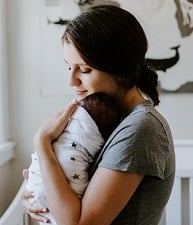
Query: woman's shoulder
144	116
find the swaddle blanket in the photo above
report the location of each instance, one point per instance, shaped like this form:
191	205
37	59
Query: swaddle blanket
75	150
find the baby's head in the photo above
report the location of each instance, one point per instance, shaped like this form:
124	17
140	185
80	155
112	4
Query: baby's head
104	112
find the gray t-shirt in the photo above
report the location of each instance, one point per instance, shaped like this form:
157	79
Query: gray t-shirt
142	144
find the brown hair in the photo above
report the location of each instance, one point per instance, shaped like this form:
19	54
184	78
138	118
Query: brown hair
104	112
111	39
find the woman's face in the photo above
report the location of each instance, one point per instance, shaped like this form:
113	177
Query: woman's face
85	79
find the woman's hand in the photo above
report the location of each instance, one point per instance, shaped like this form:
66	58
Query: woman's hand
36	213
46	133
51	130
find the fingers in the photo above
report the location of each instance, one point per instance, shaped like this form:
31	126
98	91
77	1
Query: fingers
39	218
64	116
35	213
25	174
55	125
26	195
69	109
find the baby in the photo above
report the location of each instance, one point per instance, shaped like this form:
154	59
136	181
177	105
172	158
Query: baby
88	128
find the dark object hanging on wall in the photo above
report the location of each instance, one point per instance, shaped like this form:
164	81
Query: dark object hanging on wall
60	21
83	2
164	64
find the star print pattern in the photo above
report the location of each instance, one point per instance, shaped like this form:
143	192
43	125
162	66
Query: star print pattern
76	176
74	153
74	144
77	147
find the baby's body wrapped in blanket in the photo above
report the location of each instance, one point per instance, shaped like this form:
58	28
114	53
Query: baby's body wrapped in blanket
75	150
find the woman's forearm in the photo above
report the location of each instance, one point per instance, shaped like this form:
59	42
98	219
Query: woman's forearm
63	202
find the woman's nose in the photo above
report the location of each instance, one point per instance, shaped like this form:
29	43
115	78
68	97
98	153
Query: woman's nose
74	79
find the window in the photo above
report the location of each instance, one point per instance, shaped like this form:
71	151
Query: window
6	147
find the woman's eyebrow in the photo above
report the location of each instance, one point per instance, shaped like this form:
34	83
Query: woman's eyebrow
79	64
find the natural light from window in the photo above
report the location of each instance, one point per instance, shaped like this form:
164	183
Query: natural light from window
6	147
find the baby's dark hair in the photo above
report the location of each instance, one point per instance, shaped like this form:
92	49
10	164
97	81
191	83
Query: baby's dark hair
104	112
112	40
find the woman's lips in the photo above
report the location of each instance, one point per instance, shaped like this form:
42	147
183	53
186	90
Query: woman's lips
80	93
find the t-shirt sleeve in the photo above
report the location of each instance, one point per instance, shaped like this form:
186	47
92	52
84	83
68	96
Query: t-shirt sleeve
140	145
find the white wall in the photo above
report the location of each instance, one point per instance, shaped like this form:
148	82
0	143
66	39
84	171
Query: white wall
34	96
178	109
29	108
4	98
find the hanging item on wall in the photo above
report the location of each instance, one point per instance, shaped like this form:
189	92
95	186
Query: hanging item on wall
60	21
169	28
61	6
85	4
166	63
168	25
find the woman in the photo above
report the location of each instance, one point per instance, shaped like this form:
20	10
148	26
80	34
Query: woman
132	178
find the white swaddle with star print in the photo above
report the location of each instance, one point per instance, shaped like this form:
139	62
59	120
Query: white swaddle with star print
75	150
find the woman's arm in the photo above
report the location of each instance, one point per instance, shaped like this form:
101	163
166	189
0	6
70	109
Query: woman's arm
106	195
